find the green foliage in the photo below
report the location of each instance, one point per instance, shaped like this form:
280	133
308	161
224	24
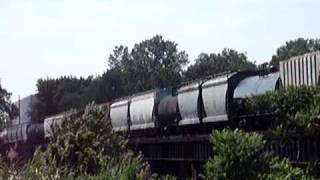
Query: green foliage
240	155
59	95
282	170
84	147
128	168
82	139
237	154
298	108
209	64
38	168
153	63
7	109
109	86
294	48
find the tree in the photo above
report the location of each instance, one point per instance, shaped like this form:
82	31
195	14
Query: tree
151	64
58	95
7	110
110	86
295	48
44	105
209	64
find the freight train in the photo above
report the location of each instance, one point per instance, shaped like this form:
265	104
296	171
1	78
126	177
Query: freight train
194	106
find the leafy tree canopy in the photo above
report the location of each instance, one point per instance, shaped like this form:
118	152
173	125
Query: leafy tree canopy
209	64
58	95
295	48
7	109
151	64
109	86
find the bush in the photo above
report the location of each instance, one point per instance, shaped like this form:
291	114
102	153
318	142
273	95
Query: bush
282	170
85	147
240	155
298	108
83	139
129	168
236	154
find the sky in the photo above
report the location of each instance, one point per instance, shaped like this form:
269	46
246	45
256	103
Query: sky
42	38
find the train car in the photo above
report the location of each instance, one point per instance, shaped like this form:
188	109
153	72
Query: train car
138	112
190	103
257	85
301	70
23	133
142	110
209	100
119	114
250	87
35	133
217	95
17	134
168	110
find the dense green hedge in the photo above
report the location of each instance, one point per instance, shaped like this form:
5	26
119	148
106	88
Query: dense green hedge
240	155
298	109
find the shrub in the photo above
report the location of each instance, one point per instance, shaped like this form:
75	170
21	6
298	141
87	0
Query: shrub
282	170
298	108
129	168
236	154
240	155
83	139
84	147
